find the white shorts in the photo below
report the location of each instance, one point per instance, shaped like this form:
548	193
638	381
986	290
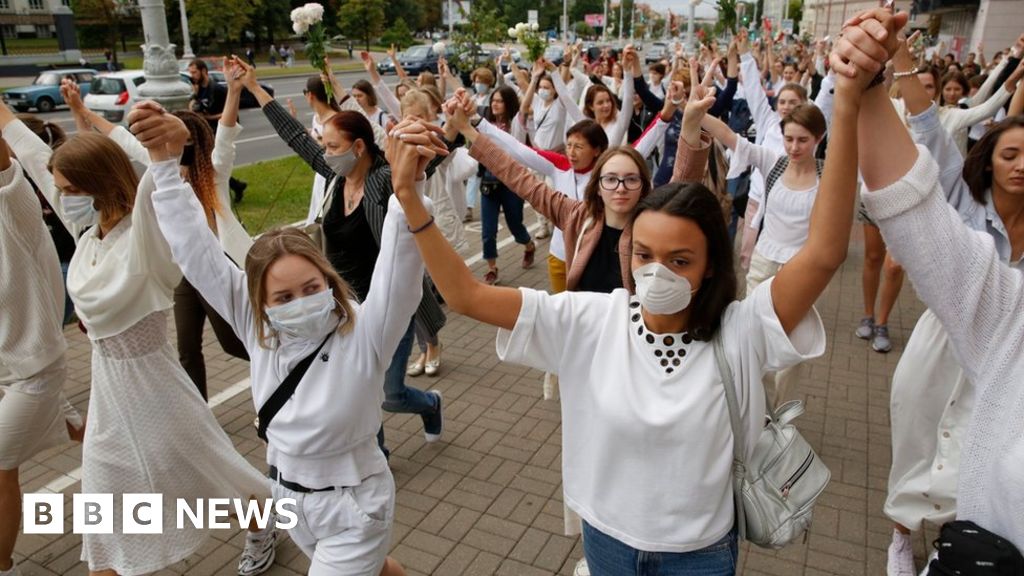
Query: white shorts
33	416
347	531
761	269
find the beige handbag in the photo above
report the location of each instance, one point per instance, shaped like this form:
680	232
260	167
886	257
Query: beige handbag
315	230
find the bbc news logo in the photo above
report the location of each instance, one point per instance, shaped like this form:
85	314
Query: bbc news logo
144	513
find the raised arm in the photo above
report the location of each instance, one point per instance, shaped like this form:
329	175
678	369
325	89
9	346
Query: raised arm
991	80
288	128
976	296
402	75
762	113
988	109
370	67
85	119
572	109
802	280
464	294
693	150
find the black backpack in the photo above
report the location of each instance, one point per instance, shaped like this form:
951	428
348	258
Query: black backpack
969	550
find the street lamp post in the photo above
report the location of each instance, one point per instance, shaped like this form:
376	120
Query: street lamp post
187	55
163	82
690	39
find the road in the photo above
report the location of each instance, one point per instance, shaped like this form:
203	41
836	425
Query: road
258	141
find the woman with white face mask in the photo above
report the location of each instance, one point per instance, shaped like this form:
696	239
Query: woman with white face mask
642	399
289	304
352	213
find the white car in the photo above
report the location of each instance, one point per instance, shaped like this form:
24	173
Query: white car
113	95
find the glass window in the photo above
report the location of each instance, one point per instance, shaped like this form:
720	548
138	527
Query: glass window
35	4
104	85
5	5
84	77
48	79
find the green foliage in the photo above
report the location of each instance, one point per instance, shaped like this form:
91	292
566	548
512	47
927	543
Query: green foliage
726	17
363	19
110	15
398	34
482	25
217	18
583	30
413	12
796	14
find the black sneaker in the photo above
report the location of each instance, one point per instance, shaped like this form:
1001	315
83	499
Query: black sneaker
238	190
433	423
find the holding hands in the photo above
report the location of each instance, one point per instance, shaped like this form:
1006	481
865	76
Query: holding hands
411	145
163	134
868	41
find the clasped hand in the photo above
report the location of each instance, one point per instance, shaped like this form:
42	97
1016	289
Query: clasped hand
163	134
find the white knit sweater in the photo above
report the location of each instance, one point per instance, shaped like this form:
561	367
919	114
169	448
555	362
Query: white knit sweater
31	286
979	299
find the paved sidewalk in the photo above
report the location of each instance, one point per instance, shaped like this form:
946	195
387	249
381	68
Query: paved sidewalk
487	499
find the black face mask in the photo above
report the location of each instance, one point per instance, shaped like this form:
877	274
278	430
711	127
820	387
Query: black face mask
188	156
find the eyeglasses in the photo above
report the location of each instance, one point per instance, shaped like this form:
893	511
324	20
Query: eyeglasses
632	182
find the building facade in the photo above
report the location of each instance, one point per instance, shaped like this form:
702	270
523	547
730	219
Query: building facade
29	18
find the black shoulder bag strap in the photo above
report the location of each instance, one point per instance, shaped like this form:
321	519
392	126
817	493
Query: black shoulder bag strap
284	392
769	182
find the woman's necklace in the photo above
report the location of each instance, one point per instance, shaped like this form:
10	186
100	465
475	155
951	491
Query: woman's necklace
352	199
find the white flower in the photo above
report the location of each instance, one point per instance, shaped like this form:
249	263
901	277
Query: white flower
512	32
299	27
315	12
521	27
439	47
534	27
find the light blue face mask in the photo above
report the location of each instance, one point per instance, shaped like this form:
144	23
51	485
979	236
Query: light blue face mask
78	209
480	87
309	317
544	94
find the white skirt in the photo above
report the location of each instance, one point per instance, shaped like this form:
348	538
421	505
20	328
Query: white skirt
931	406
149	431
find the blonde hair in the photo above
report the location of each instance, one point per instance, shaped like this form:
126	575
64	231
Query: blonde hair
96	165
427	79
484	75
416	99
269	248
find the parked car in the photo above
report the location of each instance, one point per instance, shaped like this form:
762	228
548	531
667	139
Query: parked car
421	58
386	66
44	93
112	95
656	52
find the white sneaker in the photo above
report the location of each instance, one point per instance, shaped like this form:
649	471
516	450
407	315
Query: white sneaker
260	550
934	556
901	556
581	568
550	386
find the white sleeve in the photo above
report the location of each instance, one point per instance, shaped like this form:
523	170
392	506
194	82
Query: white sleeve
548	324
653	135
34	156
378	133
757	101
396	286
387	99
572	111
517	150
223	157
962	119
617	134
750	154
976	296
927	131
131	146
990	83
825	101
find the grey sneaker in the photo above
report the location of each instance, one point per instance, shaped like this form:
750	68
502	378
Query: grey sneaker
866	329
881	343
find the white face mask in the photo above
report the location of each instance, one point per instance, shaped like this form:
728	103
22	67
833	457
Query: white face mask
660	290
342	164
78	209
480	87
544	94
309	317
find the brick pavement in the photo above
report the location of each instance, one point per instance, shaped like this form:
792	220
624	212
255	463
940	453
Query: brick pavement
487	499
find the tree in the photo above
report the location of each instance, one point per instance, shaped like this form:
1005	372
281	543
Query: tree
482	24
362	19
216	18
796	14
399	35
584	30
409	10
111	15
726	17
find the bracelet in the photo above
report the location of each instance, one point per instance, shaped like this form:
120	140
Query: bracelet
678	102
898	75
421	228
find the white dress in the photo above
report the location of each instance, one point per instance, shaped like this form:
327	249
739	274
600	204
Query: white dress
149	430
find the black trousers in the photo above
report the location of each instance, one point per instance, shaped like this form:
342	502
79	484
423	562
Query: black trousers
190	314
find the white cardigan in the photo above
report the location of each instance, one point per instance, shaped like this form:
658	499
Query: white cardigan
32	289
960	275
326	434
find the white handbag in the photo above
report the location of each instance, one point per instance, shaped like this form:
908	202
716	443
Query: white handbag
775	491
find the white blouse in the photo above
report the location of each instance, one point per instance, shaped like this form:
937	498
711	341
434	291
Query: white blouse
326	434
647	444
119	279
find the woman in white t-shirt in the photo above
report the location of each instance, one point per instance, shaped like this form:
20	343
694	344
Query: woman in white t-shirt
642	401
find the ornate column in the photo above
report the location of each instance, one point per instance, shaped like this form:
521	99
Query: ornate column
163	81
187	48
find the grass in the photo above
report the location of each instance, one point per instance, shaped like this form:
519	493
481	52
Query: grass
278	193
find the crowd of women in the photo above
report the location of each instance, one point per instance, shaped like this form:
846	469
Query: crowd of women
659	188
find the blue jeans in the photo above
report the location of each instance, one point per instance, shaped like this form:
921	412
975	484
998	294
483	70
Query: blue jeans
737	187
500	199
397	396
607	556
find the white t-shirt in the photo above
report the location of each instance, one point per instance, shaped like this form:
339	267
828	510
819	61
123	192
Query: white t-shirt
786	222
647	445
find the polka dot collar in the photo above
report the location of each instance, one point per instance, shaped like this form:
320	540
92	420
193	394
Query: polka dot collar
668	351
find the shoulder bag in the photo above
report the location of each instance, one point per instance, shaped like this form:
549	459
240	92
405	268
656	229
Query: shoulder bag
775	491
284	392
